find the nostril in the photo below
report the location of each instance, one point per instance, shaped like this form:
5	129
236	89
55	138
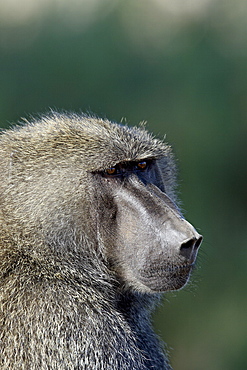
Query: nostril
189	248
186	248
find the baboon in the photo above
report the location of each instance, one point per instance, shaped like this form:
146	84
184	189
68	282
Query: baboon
90	236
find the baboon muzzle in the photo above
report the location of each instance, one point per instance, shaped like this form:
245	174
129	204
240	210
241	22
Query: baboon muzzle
158	246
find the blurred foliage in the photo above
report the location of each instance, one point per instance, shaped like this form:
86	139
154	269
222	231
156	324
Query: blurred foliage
184	71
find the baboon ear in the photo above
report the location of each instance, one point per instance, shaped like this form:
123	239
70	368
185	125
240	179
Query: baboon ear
156	247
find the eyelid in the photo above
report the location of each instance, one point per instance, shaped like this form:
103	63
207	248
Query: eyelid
120	168
142	165
111	170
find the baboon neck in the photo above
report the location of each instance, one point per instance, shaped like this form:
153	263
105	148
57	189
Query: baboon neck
130	303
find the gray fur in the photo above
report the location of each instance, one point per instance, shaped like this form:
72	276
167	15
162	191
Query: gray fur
66	299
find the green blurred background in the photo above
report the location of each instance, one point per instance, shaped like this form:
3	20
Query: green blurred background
180	65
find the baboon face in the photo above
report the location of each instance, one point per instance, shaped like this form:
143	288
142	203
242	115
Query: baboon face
154	247
77	183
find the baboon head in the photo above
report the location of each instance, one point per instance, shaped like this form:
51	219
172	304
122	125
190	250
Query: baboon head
89	192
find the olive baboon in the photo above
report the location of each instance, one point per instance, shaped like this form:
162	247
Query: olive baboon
89	238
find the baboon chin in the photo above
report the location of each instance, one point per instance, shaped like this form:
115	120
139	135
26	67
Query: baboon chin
90	235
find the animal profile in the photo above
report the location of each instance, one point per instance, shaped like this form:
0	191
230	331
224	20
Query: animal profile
90	237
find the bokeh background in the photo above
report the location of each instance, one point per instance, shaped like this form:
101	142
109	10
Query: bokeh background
180	65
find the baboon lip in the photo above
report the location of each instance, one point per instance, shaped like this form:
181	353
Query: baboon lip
167	279
168	271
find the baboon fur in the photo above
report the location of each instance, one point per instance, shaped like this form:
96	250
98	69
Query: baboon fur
66	301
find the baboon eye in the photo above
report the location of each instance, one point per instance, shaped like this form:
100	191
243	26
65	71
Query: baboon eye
111	171
142	165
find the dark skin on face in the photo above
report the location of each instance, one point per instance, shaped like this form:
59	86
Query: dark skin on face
156	247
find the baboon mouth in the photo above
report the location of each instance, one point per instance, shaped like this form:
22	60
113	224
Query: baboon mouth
167	279
168	270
